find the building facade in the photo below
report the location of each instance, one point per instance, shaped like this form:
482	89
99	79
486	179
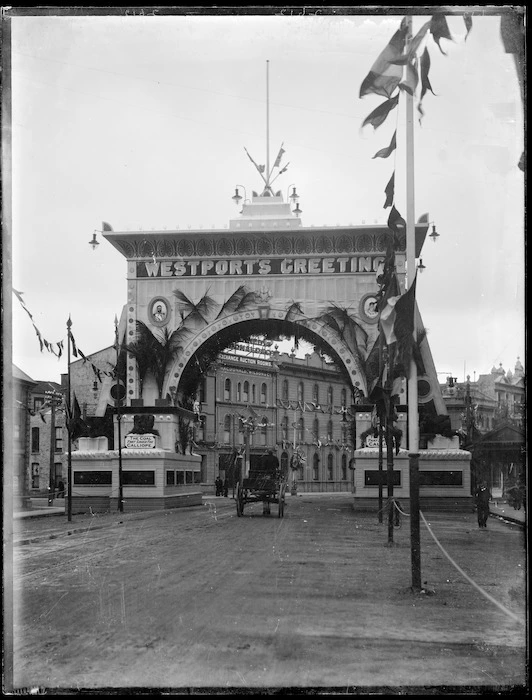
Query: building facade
46	465
22	403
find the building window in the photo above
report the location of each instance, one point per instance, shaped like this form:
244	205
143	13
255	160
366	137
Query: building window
344	467
138	478
264	431
201	429
330	396
330	431
285	390
316	394
239	392
90	478
344	398
301	431
201	391
316	430
253	395
35	439
330	467
284	428
59	439
263	393
35	475
38	403
227	390
316	468
58	473
227	430
300	391
246	392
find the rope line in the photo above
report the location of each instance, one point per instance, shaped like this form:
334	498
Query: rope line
457	567
469	579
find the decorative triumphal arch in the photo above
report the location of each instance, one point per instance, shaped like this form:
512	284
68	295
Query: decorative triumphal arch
264	274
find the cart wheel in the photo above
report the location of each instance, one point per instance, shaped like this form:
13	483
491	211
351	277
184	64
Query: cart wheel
281	502
239	500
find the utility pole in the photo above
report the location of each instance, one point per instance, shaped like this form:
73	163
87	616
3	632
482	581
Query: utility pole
54	400
119	427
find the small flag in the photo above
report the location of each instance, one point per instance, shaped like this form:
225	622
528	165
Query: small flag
278	159
260	168
397	325
440	29
389	191
396	223
74	348
385	75
385	152
378	116
411	80
468	21
424	65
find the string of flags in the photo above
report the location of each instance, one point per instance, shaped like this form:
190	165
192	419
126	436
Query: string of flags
57	348
398	68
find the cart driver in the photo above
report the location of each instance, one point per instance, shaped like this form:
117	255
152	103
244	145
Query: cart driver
270	464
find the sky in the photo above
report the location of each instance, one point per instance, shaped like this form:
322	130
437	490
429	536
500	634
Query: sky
141	122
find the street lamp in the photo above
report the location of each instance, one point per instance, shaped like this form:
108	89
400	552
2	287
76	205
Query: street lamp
94	243
237	197
434	235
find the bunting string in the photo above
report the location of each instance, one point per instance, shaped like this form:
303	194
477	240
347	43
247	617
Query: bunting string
57	348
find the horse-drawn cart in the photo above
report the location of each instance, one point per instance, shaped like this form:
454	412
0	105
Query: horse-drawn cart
261	486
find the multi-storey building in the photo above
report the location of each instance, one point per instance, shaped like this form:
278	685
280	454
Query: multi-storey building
292	404
22	388
47	438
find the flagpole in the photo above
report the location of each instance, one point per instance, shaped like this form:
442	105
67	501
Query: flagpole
268	122
119	427
69	428
413	411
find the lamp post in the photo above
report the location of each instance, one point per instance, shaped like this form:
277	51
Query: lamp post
54	399
118	422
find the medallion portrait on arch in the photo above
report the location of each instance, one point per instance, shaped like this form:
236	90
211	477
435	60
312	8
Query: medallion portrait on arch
159	311
368	308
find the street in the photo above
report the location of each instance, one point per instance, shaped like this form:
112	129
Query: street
198	597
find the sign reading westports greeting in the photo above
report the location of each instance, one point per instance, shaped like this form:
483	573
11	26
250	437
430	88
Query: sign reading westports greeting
264	266
140	442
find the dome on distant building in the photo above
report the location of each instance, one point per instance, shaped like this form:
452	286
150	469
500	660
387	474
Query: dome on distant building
519	369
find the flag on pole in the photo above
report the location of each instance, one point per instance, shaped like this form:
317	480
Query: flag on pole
424	66
468	21
389	191
279	156
397	325
440	29
385	152
260	168
411	80
74	348
396	223
378	116
385	74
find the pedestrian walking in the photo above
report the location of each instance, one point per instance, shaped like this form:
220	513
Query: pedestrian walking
482	498
219	485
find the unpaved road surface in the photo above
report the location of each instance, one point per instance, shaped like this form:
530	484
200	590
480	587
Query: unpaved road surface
199	598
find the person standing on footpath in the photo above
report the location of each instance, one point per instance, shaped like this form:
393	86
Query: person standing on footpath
482	498
218	483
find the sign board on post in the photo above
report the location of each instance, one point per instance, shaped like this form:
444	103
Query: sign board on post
140	442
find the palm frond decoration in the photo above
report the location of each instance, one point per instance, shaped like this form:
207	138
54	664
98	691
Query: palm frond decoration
239	300
142	349
349	330
191	312
295	309
155	352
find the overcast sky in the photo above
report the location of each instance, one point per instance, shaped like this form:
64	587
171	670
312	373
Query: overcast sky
142	122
